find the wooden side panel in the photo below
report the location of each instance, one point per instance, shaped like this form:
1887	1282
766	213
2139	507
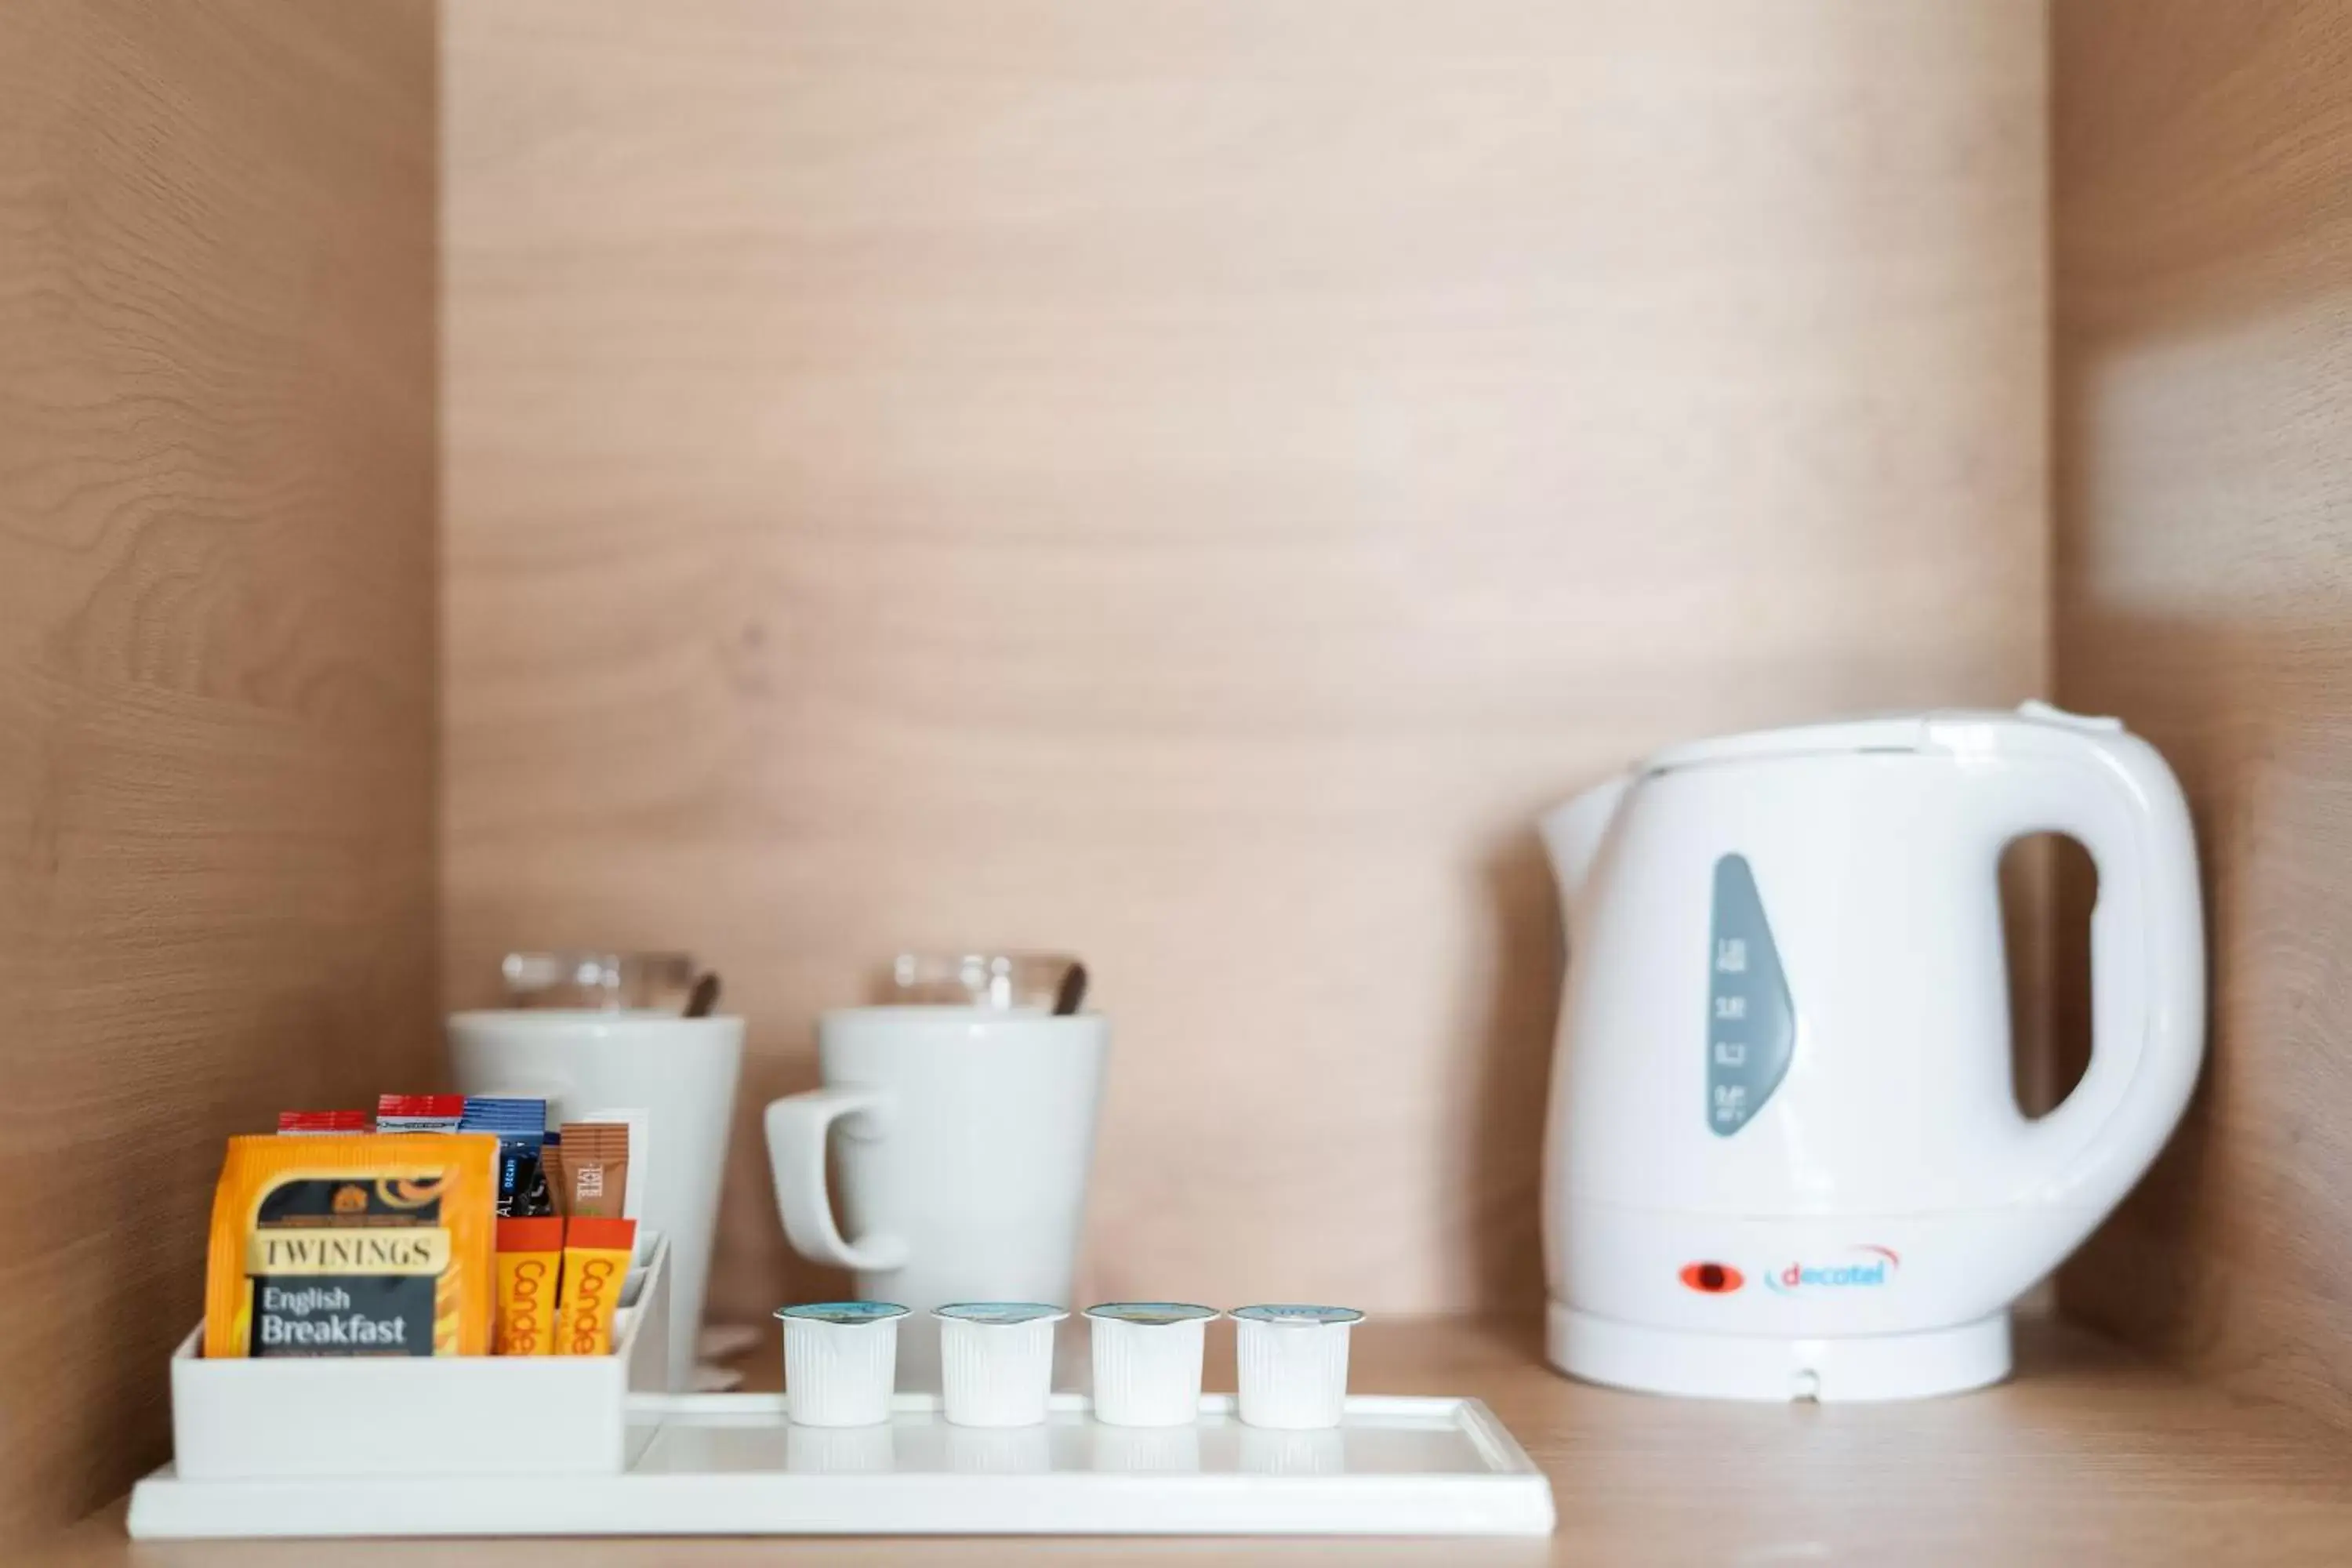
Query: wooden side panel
217	713
2203	203
1188	482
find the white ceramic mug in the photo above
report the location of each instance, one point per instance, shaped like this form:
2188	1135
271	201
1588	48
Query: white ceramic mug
965	1136
680	1071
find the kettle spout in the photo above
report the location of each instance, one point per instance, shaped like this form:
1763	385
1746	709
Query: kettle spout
1572	835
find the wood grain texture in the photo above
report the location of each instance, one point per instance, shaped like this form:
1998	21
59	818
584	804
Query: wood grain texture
1187	483
2203	160
2088	1456
216	711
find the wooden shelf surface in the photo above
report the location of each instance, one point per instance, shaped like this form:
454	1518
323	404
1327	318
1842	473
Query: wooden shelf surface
2088	1456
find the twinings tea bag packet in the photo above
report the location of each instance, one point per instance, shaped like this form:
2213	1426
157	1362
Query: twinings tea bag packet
311	1123
362	1244
596	1168
521	1126
531	1257
595	1267
537	1198
551	1170
419	1112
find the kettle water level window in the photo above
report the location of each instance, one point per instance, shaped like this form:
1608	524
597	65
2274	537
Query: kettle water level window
1751	1025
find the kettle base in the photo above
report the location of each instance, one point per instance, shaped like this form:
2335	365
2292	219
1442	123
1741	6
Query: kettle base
1756	1367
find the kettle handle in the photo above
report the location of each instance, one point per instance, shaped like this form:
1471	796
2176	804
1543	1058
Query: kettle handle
1572	835
2111	792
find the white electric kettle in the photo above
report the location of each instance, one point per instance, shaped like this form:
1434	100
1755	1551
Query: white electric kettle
1785	1157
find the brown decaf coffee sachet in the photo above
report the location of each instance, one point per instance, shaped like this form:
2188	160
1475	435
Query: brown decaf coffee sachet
595	1164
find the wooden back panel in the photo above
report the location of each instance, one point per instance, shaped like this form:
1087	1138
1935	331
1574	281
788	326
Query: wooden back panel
1188	483
2204	314
217	713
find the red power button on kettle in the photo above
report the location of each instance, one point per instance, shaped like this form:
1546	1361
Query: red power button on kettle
1713	1278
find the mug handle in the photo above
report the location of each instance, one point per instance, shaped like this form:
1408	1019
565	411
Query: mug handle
797	1125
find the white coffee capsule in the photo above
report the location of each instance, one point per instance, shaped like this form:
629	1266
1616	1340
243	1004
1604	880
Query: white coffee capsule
996	1361
1294	1364
841	1362
1147	1362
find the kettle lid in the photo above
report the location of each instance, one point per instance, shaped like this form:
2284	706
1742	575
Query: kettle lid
1938	730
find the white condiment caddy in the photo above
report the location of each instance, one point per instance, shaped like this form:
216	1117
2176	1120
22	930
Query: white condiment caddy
311	1417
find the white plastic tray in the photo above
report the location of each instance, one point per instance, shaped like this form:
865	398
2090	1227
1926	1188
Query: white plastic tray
730	1464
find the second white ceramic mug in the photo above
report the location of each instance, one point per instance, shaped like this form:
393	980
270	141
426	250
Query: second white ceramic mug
965	1138
680	1071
